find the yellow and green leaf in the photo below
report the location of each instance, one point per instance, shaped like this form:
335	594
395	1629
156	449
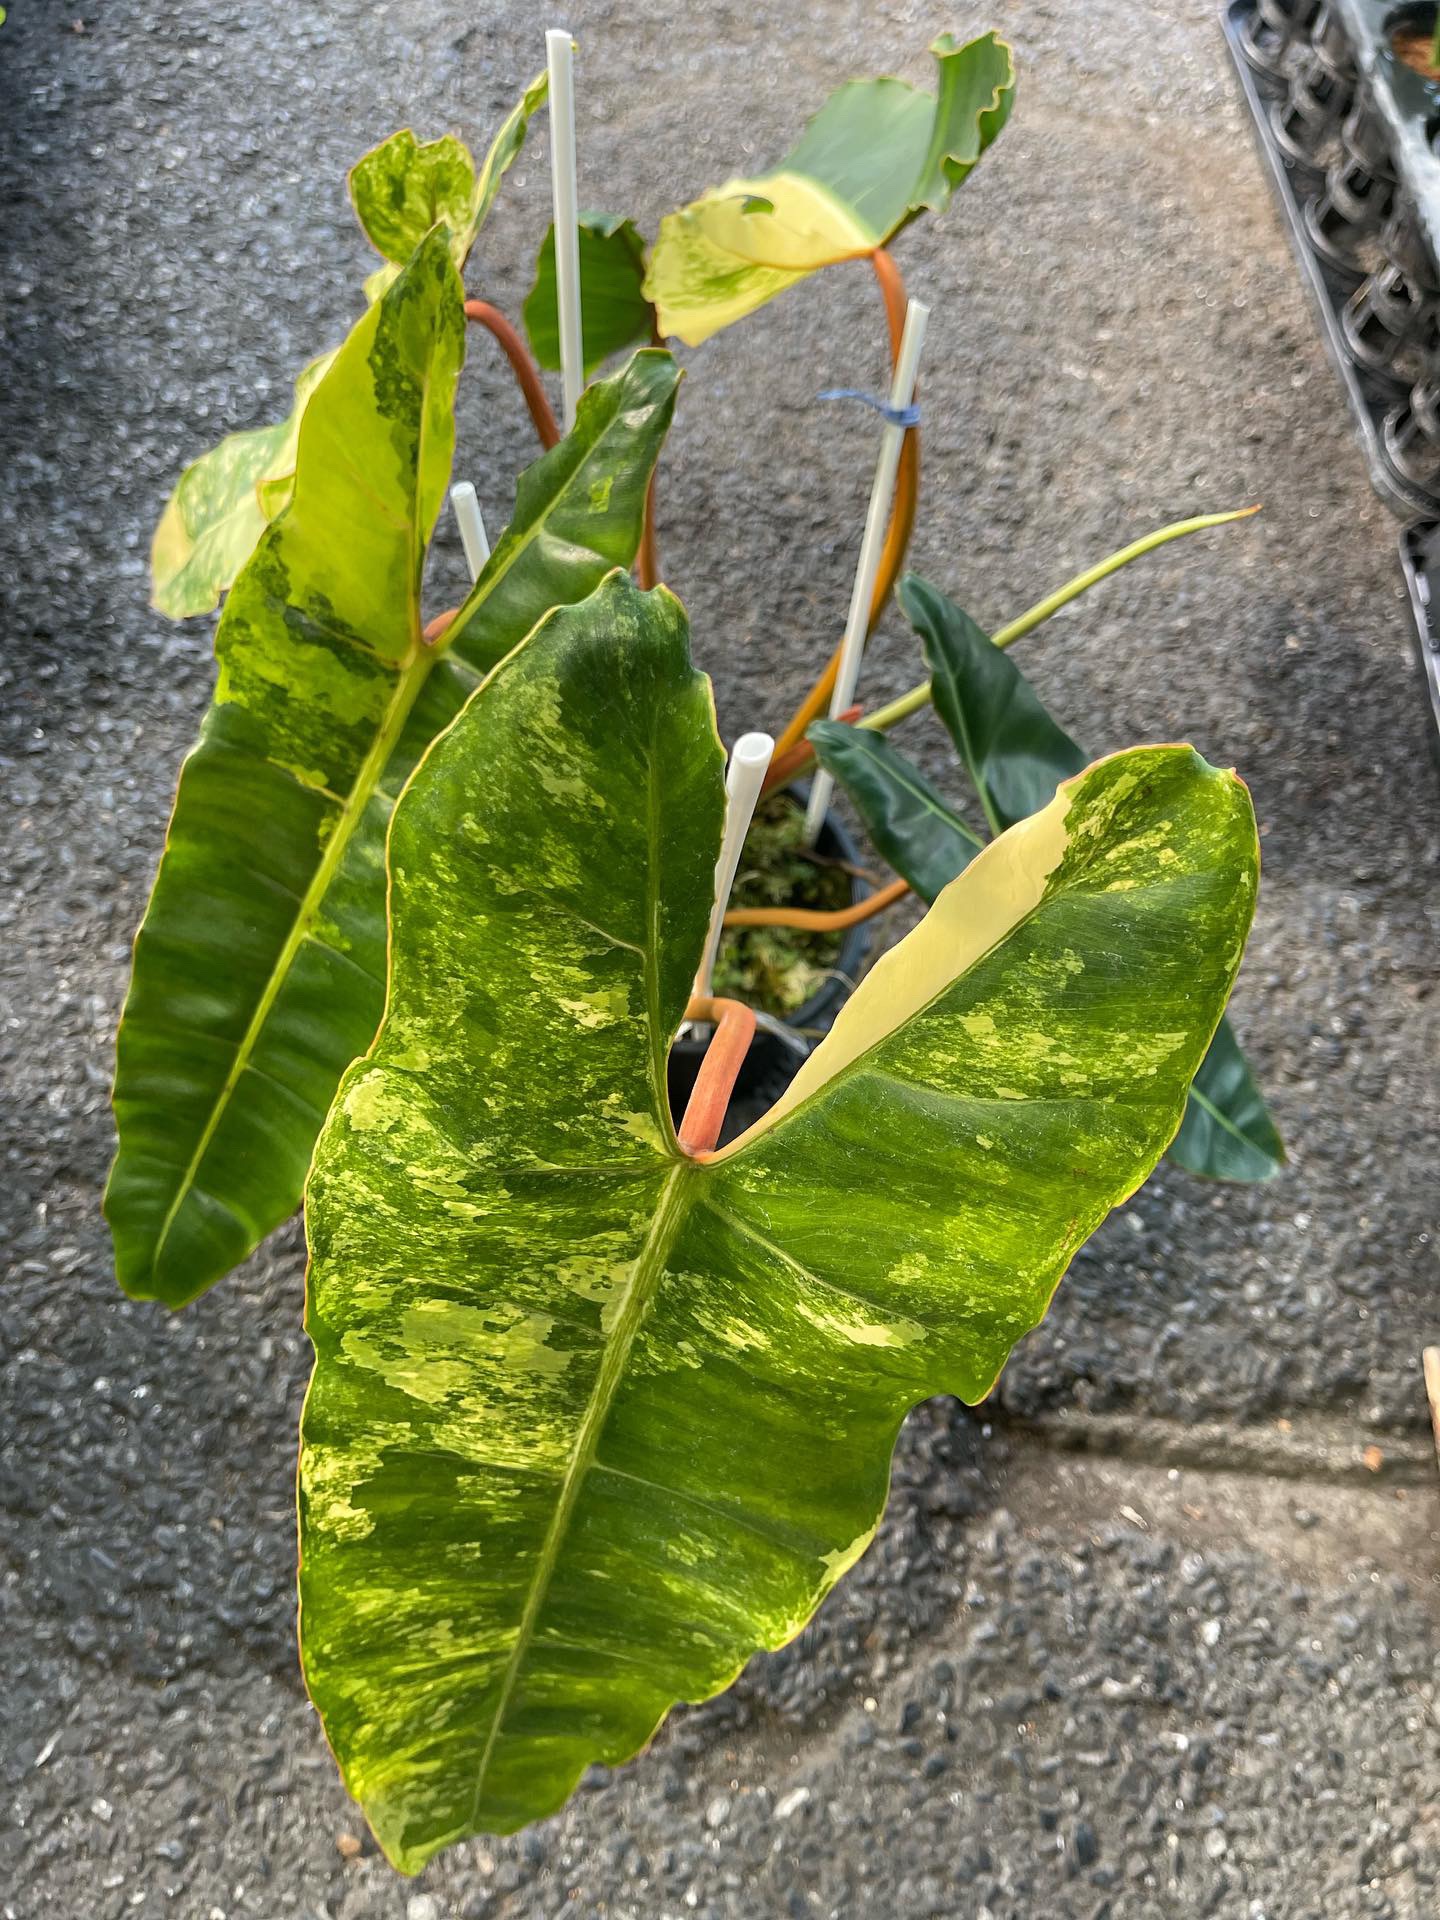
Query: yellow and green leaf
877	154
591	1421
404	187
225	500
222	505
401	188
258	971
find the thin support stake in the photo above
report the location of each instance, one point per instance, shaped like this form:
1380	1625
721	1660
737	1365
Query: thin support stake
559	56
749	758
1431	1362
902	392
471	522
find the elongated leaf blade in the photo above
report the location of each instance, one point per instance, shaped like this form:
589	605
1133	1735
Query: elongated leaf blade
255	979
592	1421
875	155
1227	1132
1014	752
259	968
1016	756
908	823
578	511
614	313
503	152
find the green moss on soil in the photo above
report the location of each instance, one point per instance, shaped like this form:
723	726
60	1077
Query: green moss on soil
778	968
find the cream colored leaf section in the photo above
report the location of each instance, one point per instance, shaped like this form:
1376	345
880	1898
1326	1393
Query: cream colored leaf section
785	221
757	236
970	917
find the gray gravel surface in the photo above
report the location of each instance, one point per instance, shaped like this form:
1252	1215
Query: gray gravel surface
1092	1708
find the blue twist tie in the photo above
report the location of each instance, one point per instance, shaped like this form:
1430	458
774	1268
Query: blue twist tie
892	416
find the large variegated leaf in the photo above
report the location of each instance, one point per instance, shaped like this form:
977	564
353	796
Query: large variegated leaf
1016	755
259	968
591	1421
875	155
225	500
614	313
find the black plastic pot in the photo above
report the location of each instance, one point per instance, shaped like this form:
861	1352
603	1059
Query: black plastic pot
773	1059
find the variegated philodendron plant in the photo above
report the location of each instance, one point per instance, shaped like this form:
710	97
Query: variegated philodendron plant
595	1415
593	1418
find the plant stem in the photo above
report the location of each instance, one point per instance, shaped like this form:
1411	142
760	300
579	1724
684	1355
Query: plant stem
527	374
710	1096
647	560
897	534
918	697
815	920
784	766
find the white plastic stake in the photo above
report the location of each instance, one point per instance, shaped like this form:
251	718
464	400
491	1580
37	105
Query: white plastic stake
559	55
902	391
466	503
749	763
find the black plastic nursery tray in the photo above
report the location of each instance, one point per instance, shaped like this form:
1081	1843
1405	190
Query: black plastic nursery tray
1338	133
1420	557
1350	135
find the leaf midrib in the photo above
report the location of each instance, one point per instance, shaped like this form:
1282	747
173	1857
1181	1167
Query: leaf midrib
645	1276
412	677
673	1205
1227	1125
942	669
407	690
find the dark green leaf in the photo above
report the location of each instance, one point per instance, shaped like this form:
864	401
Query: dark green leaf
1227	1132
578	510
910	825
1013	751
1016	756
614	313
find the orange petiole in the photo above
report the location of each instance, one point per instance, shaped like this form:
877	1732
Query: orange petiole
815	919
715	1082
